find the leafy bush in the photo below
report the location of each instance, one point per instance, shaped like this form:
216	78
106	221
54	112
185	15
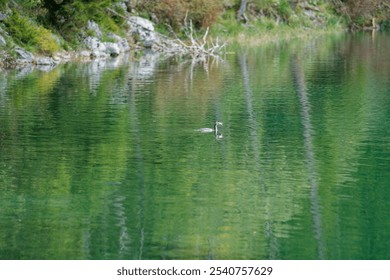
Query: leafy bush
385	25
284	9
20	28
70	17
46	42
28	34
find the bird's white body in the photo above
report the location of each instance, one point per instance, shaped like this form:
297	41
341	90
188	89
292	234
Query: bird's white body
205	130
208	130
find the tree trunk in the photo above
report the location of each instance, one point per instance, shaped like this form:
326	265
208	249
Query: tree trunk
241	12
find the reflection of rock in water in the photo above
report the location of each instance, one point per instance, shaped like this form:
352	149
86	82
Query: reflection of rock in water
3	87
145	66
139	72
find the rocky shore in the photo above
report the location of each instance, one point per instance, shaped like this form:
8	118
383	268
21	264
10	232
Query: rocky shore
45	33
93	47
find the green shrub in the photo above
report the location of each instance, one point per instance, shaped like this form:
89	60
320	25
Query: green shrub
45	41
70	17
284	9
385	25
20	28
27	34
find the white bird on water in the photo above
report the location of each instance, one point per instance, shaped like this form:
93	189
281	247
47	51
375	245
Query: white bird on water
208	130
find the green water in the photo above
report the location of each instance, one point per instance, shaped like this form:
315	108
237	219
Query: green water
103	160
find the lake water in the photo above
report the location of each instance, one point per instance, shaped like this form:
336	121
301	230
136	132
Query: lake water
103	160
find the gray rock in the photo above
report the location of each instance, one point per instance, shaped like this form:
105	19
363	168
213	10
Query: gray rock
45	61
91	43
112	49
24	56
99	54
85	54
144	29
94	44
61	57
122	5
93	26
3	15
122	42
124	45
115	38
142	23
101	49
2	41
150	40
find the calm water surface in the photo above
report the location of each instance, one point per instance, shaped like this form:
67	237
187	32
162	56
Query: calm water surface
103	160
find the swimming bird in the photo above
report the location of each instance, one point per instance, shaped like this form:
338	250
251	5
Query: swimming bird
208	130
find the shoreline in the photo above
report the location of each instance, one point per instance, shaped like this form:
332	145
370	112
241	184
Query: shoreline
48	49
97	50
94	54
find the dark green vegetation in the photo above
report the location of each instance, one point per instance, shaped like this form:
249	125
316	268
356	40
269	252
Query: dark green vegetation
100	163
46	26
28	22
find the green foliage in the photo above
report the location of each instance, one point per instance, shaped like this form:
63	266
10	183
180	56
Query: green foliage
284	9
29	3
70	17
385	25
45	41
227	24
3	3
20	29
28	34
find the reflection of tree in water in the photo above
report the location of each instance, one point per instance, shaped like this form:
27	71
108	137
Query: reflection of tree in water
299	80
253	124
